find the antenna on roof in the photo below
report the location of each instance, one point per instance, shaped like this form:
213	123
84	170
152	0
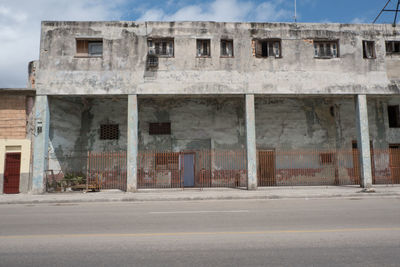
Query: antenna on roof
295	11
396	11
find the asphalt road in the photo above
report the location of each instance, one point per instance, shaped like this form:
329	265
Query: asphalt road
320	232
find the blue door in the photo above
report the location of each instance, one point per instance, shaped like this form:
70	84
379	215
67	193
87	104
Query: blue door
188	169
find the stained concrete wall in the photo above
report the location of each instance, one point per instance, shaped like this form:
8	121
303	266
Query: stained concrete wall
122	68
75	129
196	123
323	124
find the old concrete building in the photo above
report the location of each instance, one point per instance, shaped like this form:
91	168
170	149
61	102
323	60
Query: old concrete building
182	104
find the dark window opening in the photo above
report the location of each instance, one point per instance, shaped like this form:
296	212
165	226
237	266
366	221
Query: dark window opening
89	48
326	49
267	48
161	47
160	128
369	49
203	48
109	131
392	47
226	48
393	113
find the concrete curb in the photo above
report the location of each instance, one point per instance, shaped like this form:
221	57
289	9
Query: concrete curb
145	197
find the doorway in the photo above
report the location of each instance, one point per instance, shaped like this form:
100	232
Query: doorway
12	173
266	168
394	162
188	169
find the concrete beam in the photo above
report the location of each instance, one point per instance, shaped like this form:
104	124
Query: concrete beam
132	143
41	144
363	140
251	143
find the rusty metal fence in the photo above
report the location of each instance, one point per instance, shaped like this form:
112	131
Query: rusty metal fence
211	168
217	168
83	170
324	167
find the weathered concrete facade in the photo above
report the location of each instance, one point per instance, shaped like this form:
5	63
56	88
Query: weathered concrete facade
291	101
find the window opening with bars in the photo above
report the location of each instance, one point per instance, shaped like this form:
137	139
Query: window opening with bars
109	131
226	48
203	48
326	49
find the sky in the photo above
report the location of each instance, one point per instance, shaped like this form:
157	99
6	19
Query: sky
20	19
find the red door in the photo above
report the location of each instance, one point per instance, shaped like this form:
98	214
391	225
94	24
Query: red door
11	173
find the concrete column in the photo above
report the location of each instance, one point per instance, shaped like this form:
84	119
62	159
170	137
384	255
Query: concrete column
251	143
41	144
363	140
132	149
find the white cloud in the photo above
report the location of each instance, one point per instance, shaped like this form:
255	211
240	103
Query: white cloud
359	21
224	10
20	30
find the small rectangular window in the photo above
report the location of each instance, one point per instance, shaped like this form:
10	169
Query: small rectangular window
161	47
326	49
267	48
203	48
160	128
369	49
392	47
109	131
393	113
89	47
226	48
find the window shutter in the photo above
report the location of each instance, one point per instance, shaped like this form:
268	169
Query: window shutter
253	47
170	48
276	49
334	50
230	49
316	54
258	49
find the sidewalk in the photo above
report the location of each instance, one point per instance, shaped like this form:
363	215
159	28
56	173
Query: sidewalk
303	192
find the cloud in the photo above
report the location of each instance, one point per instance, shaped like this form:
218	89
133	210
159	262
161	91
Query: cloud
359	21
20	30
224	10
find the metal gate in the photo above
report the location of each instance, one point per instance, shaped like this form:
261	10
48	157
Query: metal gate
12	173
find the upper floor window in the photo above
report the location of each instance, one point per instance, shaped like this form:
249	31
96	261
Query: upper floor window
161	47
392	47
89	47
203	47
369	49
267	48
226	48
326	49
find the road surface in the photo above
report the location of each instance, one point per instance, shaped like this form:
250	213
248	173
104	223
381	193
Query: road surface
319	232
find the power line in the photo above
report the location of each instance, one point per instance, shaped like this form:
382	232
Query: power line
395	11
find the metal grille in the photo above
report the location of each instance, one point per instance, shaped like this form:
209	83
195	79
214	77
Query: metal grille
109	131
160	128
